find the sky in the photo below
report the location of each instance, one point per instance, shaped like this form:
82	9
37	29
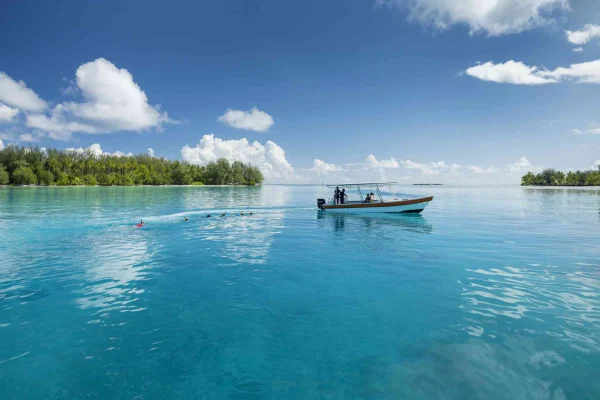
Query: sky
414	91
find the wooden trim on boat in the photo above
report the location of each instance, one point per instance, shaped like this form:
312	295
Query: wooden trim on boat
384	204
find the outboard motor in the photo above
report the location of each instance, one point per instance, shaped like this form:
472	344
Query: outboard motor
320	203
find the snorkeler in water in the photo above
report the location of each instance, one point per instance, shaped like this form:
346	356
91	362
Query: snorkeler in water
222	215
185	218
207	215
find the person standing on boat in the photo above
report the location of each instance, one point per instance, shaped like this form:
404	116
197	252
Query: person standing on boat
342	196
336	195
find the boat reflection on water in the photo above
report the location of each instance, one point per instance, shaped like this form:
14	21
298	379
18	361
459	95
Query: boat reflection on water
380	222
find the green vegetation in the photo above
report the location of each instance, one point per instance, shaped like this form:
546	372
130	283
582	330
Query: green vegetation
32	165
552	177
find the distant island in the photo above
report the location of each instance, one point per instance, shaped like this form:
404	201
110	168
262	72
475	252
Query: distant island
552	177
428	184
35	166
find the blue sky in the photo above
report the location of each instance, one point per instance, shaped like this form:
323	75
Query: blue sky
412	90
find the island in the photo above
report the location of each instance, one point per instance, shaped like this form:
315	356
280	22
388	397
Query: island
552	177
50	167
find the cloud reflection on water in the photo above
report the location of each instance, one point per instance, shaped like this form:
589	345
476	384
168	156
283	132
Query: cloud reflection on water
116	263
561	304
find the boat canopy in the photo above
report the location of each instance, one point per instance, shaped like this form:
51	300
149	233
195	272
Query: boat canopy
350	185
370	185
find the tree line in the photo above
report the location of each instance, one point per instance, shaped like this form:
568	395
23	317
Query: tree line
552	177
38	166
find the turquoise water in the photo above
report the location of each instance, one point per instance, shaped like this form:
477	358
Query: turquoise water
492	293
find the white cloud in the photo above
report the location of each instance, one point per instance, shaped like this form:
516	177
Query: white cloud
150	151
514	72
269	158
96	150
1	145
321	167
112	102
584	36
15	134
578	50
591	131
28	137
482	170
492	17
17	94
372	162
57	126
587	72
119	154
523	165
253	120
520	74
7	113
431	168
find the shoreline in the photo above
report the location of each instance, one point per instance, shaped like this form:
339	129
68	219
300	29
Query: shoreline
124	186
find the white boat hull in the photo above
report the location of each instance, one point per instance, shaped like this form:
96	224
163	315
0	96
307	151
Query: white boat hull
402	206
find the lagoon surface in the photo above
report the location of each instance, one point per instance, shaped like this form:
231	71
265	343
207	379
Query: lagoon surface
491	293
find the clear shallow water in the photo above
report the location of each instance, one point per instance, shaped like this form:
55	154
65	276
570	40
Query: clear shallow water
493	293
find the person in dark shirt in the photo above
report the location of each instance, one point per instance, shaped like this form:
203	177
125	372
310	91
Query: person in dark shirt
368	198
343	195
336	195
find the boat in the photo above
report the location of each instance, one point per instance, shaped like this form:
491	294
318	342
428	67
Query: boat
378	204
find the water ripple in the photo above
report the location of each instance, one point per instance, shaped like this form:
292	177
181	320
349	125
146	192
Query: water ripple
565	303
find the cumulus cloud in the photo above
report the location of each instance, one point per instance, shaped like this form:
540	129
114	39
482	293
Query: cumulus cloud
7	114
16	135
431	168
1	145
482	170
578	50
57	126
321	167
112	102
583	36
18	95
587	72
373	162
523	165
514	72
520	74
491	17
96	150
269	158
28	137
150	152
253	120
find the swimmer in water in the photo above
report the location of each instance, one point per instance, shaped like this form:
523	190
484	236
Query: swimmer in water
185	218
142	223
207	215
222	215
